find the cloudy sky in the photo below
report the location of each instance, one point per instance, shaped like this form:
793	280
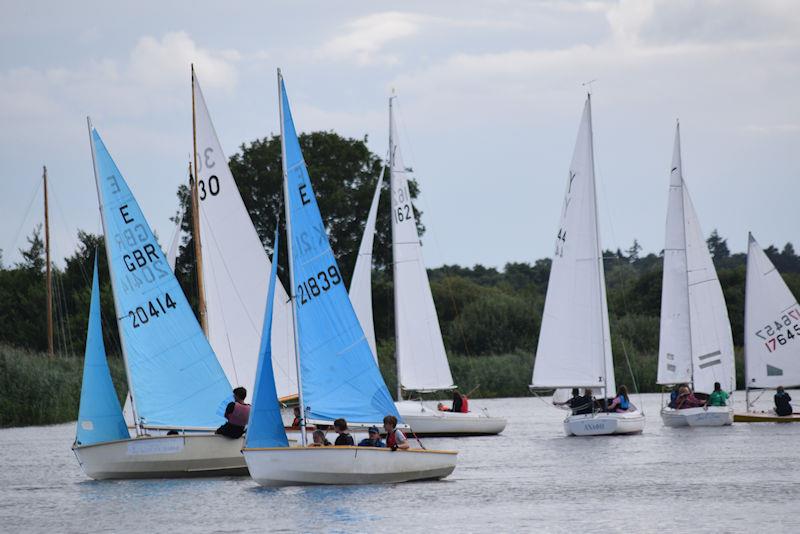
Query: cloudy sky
490	94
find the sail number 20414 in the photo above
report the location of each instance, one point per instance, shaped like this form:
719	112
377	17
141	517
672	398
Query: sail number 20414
318	284
151	310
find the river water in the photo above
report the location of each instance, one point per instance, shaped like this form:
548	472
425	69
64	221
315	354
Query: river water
733	479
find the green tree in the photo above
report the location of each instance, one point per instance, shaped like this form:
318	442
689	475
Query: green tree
717	246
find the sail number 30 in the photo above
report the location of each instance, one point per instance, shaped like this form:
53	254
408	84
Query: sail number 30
317	285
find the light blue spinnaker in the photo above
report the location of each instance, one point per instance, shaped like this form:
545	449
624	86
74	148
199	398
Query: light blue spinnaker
338	373
100	415
175	378
266	425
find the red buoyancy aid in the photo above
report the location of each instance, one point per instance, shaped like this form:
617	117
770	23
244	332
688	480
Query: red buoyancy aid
464	404
240	414
391	438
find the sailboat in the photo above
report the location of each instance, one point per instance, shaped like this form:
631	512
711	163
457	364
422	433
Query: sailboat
337	373
772	333
175	381
695	343
419	349
574	349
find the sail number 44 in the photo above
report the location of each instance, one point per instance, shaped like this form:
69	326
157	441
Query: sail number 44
318	284
151	310
782	331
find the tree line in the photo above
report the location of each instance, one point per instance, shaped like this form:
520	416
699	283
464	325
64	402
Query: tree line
489	317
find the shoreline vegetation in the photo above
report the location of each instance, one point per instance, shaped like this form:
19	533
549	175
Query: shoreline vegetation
489	317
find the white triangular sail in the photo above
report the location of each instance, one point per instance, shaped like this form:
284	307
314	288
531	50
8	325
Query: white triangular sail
236	270
361	283
675	342
421	357
771	325
574	347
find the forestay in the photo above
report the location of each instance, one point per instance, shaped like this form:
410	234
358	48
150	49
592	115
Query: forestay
339	376
771	324
675	343
99	416
574	343
175	378
236	269
266	425
361	283
421	357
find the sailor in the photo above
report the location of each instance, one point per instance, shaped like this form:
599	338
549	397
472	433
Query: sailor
621	403
374	439
580	404
460	403
717	397
686	399
237	413
340	426
783	402
296	421
395	439
319	439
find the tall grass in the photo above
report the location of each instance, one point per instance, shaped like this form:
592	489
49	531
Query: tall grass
38	390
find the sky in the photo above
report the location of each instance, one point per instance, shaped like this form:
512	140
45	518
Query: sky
489	99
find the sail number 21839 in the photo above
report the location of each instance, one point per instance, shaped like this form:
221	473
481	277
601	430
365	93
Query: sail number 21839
318	284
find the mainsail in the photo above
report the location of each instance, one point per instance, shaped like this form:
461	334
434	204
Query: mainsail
175	379
361	282
338	374
698	292
236	270
771	324
421	357
99	416
574	347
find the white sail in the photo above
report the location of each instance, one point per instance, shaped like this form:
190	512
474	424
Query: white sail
421	358
771	325
574	347
361	283
236	270
675	343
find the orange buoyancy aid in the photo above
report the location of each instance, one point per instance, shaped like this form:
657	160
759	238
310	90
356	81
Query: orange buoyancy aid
464	404
240	414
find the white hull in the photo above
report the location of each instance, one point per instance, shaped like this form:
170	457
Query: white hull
297	466
701	416
604	424
427	421
193	455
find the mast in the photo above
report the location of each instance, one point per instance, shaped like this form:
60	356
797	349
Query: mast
292	296
394	269
49	276
601	278
746	327
119	313
198	256
685	240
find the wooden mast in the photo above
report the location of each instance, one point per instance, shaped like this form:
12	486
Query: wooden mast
201	290
49	276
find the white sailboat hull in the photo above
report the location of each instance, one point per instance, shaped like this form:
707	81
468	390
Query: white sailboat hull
192	455
427	421
298	466
604	424
701	416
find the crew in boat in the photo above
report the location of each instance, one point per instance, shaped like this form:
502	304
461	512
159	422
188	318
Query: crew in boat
340	426
296	421
442	408
237	413
673	396
460	403
395	439
717	397
686	399
621	402
783	402
374	439
319	439
580	404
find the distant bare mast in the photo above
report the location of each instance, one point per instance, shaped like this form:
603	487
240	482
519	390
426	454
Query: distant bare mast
198	256
49	277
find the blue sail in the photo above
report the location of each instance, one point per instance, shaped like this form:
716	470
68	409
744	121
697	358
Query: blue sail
100	415
175	378
338	372
266	425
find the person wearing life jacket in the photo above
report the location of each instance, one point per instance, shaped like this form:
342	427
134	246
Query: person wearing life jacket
621	402
783	403
297	419
395	439
237	413
460	403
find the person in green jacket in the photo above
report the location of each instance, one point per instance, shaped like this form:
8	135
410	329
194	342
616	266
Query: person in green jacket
717	397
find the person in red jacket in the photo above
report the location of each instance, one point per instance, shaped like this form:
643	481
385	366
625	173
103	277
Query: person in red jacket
460	403
237	413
